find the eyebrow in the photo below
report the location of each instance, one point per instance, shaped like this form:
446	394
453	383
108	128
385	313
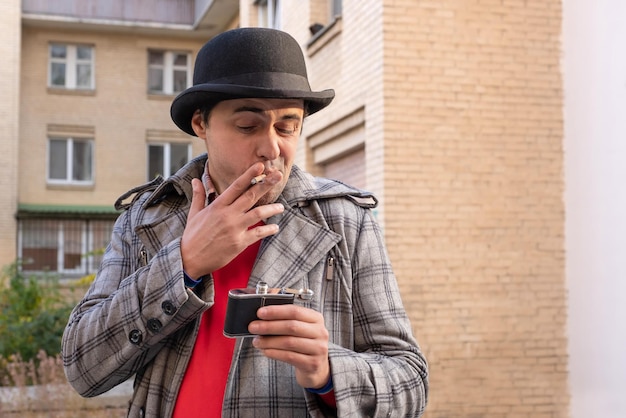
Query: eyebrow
258	110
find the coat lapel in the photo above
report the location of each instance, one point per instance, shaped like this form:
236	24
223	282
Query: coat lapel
285	258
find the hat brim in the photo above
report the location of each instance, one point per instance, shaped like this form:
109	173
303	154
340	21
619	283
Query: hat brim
192	99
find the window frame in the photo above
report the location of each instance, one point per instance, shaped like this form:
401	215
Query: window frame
335	9
69	168
167	157
269	13
85	228
72	62
168	69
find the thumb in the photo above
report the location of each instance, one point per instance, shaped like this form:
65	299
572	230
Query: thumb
198	198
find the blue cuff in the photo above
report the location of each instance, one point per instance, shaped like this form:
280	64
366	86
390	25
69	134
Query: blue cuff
191	283
323	390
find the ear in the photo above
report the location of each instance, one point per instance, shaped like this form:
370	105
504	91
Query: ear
198	125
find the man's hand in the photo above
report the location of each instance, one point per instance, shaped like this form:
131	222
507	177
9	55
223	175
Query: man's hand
295	335
217	233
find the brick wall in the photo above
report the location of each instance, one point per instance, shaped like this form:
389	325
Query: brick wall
463	144
10	23
474	213
348	58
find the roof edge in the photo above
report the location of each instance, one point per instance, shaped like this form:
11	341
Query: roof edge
34	210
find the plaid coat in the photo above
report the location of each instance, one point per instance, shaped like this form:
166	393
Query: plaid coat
138	319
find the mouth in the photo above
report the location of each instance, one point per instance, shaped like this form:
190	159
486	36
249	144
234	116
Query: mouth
273	166
270	167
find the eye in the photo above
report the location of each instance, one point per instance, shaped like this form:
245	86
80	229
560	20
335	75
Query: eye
246	128
289	128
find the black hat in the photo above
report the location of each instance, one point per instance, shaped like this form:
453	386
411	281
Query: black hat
247	63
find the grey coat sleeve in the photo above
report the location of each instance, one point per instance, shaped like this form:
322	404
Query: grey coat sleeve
383	373
127	313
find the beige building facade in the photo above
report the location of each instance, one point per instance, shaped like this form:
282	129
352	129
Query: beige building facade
451	112
10	12
95	90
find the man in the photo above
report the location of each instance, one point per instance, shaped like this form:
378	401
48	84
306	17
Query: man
239	215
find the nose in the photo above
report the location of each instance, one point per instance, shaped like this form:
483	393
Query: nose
268	146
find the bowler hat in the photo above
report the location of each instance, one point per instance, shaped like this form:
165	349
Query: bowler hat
247	63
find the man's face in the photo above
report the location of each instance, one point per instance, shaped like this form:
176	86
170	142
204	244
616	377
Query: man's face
242	132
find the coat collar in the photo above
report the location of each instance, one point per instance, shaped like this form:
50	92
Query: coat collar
179	182
285	258
301	187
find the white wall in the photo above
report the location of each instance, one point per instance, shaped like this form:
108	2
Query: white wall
594	68
10	27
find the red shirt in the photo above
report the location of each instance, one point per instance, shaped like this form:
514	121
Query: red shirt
202	390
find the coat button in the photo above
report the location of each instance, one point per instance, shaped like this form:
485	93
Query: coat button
135	337
168	308
142	412
154	325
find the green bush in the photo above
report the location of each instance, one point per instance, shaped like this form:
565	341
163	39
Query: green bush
33	315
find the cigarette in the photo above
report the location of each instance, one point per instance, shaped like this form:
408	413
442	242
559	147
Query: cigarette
258	179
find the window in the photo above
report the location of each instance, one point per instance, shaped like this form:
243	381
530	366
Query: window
167	158
269	13
335	8
71	66
338	151
67	246
349	168
70	161
325	18
168	72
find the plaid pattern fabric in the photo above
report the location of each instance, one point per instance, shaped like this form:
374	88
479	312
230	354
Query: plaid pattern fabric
138	318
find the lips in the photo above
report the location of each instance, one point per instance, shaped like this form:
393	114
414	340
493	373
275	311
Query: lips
270	167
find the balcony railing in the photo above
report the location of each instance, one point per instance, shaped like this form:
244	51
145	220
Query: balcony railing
155	11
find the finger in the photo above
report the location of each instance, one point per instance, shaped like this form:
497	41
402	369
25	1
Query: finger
242	194
198	198
289	312
309	357
262	231
289	335
288	328
241	184
263	212
293	350
289	320
251	196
